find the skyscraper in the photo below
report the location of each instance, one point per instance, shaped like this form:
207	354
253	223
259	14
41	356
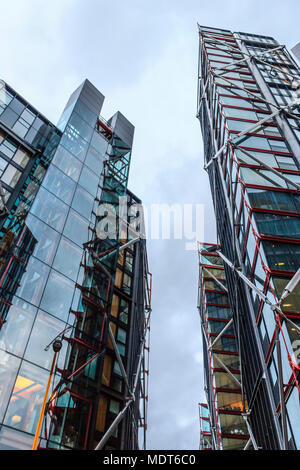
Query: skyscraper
65	279
248	107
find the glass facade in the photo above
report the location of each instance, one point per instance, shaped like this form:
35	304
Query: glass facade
246	83
52	183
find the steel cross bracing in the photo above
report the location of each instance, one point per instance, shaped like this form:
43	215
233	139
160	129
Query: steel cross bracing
217	159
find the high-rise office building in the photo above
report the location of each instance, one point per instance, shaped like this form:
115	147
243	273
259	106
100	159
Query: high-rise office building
248	107
73	273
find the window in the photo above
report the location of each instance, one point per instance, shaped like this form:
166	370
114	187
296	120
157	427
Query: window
9	366
83	202
72	141
15	331
8	147
27	396
89	180
282	256
94	160
80	126
59	184
46	239
292	302
85	113
76	228
45	329
21	158
33	281
278	225
121	335
67	259
218	312
50	209
67	163
11	176
58	295
273	200
214	298
10	439
99	143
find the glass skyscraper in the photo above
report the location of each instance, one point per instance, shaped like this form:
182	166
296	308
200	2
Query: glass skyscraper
60	280
248	107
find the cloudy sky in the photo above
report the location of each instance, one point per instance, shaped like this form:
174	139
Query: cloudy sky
142	55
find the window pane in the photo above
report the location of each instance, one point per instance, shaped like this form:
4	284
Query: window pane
11	176
9	366
67	163
58	295
76	228
33	281
282	256
67	259
72	141
45	329
279	225
89	180
10	439
59	184
83	202
50	209
15	331
80	126
21	158
47	239
25	403
94	160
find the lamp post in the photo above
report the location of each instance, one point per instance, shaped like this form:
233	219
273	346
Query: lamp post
57	344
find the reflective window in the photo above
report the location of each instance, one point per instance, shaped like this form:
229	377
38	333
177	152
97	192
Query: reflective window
83	202
94	160
15	331
273	200
10	439
67	259
76	228
33	281
85	113
99	143
9	366
8	147
11	176
279	225
80	126
26	400
72	141
21	158
45	329
282	256
46	237
67	163
89	180
58	295
59	184
50	209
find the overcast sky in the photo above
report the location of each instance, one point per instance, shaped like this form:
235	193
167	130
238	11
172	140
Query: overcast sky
142	55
